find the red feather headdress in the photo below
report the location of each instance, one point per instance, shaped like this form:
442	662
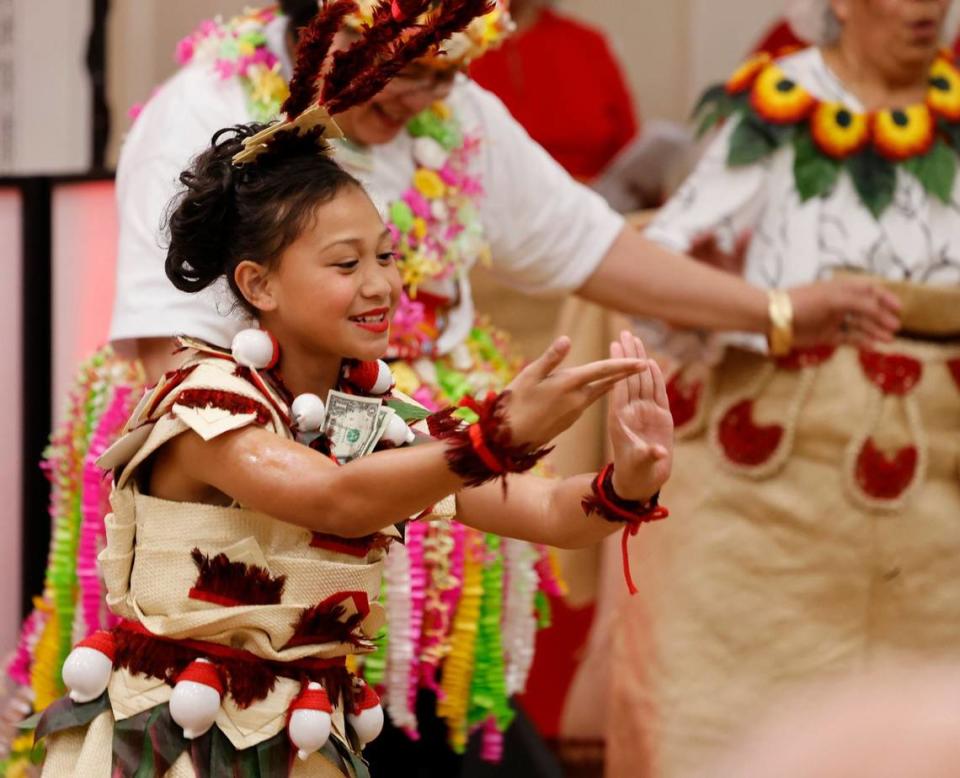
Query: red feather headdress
395	37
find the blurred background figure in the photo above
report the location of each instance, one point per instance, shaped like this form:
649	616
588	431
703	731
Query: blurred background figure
889	724
561	80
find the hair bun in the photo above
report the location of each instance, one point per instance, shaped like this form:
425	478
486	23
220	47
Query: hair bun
204	214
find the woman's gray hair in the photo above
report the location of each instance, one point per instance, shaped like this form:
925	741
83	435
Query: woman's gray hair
813	20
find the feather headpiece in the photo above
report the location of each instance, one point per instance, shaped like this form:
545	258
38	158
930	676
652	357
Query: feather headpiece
400	32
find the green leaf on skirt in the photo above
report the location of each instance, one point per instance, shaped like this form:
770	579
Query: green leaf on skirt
67	714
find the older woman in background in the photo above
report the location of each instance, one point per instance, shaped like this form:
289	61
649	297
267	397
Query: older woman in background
816	497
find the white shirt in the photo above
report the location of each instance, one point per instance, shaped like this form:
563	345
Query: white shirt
916	238
547	233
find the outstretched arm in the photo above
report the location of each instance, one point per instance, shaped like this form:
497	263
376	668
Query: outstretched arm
298	485
641	278
549	511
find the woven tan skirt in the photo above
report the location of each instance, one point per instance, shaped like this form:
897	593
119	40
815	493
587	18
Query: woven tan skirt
815	530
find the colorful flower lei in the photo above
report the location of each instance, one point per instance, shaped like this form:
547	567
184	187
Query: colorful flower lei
435	225
828	137
238	49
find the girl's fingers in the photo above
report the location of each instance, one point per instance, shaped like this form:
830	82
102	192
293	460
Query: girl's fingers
630	350
618	398
550	359
597	389
646	381
577	377
659	386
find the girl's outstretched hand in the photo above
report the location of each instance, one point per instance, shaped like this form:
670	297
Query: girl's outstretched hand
546	399
640	426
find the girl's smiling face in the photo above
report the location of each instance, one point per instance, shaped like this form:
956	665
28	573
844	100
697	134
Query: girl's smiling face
333	290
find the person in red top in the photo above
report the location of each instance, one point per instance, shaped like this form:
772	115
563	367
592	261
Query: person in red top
561	81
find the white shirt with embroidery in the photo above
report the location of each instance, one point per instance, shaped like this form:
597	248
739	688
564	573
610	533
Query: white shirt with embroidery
547	233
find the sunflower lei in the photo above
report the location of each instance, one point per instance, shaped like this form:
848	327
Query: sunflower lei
828	137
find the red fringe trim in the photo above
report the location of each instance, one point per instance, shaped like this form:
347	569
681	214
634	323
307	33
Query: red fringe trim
381	66
216	599
236	582
355	547
253	377
483	451
443	424
173	379
384	31
312	49
228	401
248	679
327	622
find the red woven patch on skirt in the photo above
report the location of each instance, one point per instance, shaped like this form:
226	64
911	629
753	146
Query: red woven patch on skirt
891	373
743	441
953	366
883	477
684	400
806	357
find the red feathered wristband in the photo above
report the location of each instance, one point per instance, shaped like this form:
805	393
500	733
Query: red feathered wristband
483	451
605	502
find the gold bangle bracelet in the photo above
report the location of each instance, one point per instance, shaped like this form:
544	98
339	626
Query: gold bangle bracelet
780	311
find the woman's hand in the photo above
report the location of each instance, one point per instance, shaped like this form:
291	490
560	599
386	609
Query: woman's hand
545	400
844	310
640	426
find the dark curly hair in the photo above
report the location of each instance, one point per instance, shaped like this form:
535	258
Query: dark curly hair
226	213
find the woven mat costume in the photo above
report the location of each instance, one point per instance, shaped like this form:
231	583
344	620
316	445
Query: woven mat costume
270	604
454	597
815	497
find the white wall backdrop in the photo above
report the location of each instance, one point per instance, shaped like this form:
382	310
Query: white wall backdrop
44	88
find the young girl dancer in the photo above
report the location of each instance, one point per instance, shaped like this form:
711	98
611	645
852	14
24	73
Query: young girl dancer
251	518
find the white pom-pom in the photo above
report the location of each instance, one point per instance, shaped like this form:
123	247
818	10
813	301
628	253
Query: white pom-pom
255	348
88	668
384	382
368	724
429	154
397	432
370	377
195	701
309	726
366	718
308	412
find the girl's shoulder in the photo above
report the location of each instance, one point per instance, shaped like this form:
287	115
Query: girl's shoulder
210	394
